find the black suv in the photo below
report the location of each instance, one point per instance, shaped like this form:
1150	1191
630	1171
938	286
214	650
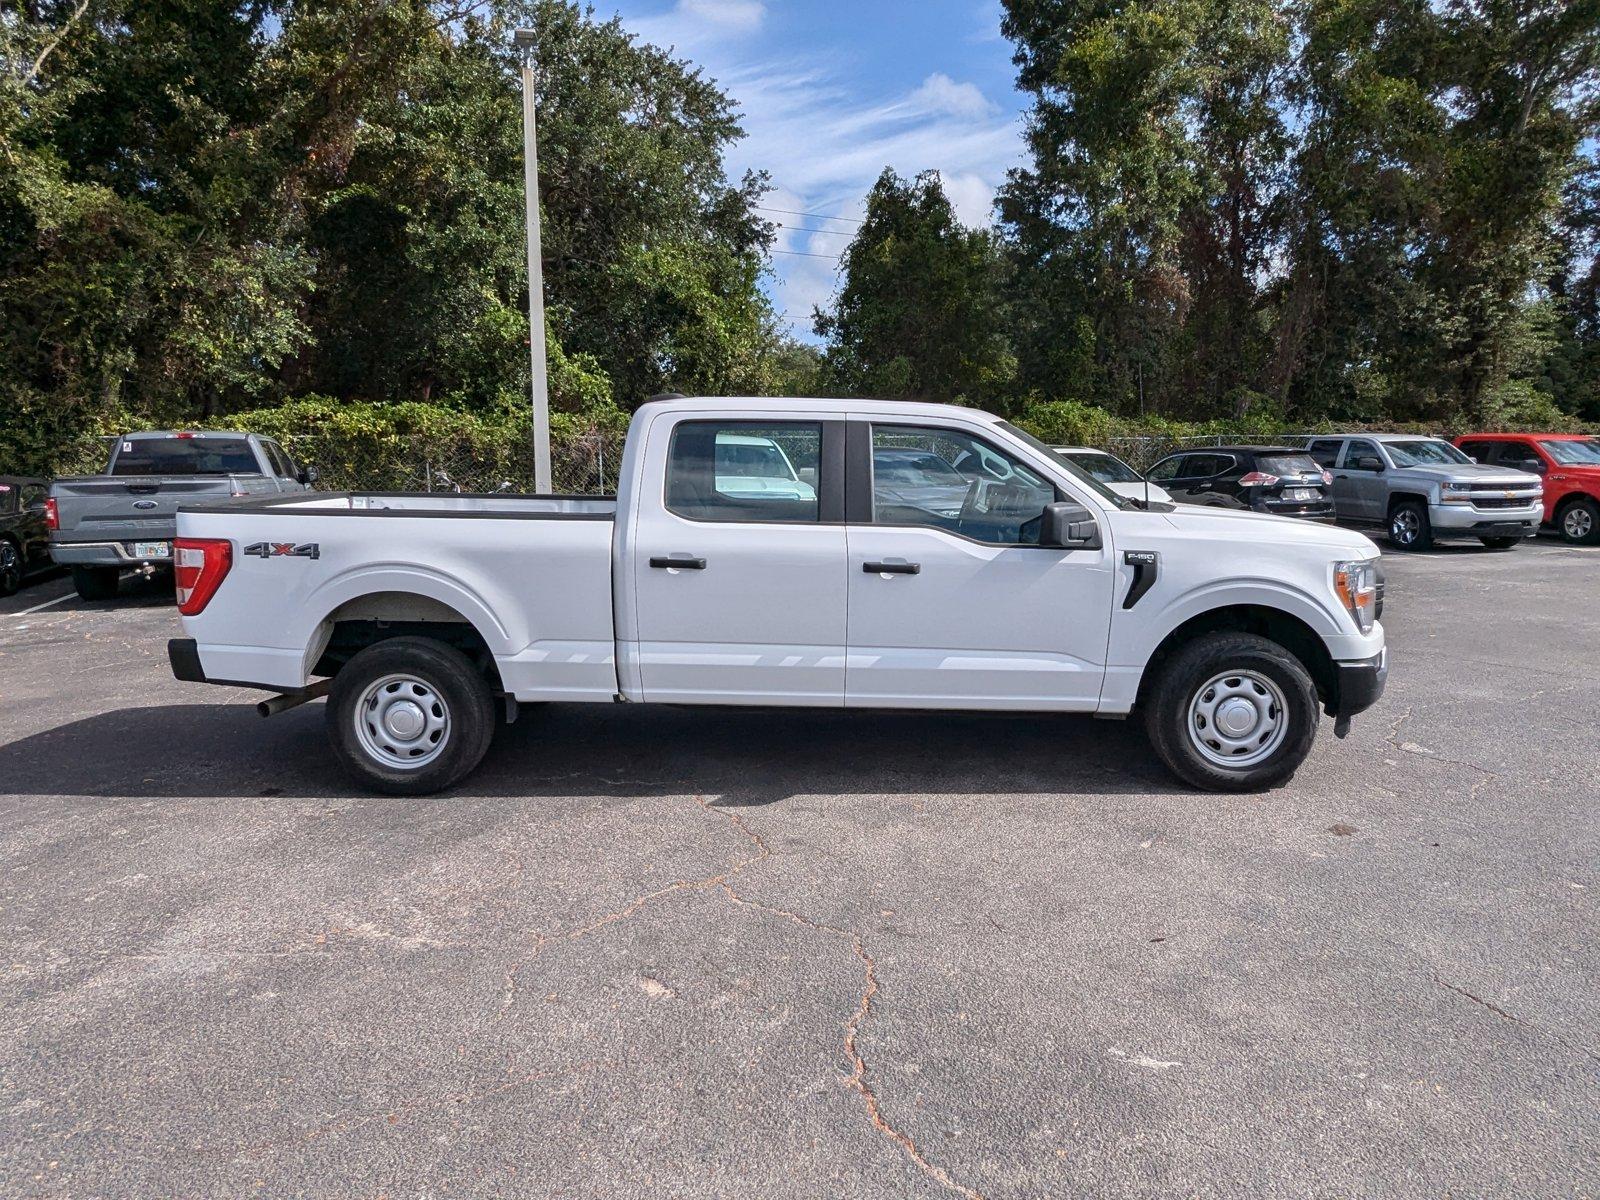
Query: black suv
1270	479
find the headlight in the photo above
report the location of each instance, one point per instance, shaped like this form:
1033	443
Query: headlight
1455	493
1356	585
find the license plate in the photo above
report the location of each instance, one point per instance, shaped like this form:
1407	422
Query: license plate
152	549
1301	493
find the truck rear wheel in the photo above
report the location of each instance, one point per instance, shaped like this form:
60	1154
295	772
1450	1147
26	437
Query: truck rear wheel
96	583
1232	712
410	716
10	567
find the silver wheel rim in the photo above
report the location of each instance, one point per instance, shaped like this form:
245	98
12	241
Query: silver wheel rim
1405	526
1577	523
1238	719
9	563
402	722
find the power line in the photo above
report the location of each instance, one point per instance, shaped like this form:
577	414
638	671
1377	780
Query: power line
794	212
805	229
808	254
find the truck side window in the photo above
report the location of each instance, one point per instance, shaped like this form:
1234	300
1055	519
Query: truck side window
950	480
1356	451
1325	452
745	471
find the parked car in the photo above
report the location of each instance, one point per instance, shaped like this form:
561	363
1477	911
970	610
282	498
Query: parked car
1114	473
1279	480
100	524
751	465
1045	592
1422	489
1569	465
24	536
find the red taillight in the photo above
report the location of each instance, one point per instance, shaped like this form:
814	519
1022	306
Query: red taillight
52	514
202	564
183	436
1255	478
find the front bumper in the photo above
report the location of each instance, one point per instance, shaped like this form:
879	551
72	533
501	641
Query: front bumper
1467	520
102	554
1358	686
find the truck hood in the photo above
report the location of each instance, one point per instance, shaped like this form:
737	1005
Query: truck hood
1242	525
1468	473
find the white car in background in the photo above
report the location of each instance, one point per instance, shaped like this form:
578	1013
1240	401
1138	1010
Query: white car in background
1113	472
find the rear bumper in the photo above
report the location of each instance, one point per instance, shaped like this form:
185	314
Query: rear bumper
184	655
102	554
1315	511
1359	685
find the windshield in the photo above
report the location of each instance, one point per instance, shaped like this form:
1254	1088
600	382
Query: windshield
1574	454
1104	467
185	456
897	467
1429	453
752	460
1077	472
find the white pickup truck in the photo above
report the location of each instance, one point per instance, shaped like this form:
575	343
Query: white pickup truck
999	578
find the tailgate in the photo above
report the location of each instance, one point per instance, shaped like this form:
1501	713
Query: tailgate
134	508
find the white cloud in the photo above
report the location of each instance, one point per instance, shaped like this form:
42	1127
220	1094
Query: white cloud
741	16
941	94
972	197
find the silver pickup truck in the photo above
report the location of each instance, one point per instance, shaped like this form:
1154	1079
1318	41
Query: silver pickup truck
1421	489
100	524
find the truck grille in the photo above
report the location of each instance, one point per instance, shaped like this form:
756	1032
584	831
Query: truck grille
1501	501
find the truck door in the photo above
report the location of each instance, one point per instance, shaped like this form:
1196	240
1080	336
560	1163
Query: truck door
1365	494
738	564
953	604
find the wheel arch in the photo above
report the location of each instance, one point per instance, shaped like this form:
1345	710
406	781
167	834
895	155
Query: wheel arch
378	615
1279	625
1396	499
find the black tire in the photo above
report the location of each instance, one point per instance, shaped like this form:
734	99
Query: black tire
10	567
1499	543
96	583
440	676
1579	522
1184	678
1409	526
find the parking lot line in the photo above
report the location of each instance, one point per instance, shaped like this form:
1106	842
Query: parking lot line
46	604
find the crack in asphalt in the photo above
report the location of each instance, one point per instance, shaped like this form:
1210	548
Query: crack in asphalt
1513	1018
1422	752
722	880
858	1066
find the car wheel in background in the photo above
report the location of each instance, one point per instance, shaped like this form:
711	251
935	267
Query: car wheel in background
410	716
10	567
1500	543
1409	527
1232	712
96	583
1579	522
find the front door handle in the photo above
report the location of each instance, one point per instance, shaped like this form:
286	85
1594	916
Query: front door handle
894	568
679	563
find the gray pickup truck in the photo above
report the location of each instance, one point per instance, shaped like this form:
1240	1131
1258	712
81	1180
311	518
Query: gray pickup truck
1421	489
100	524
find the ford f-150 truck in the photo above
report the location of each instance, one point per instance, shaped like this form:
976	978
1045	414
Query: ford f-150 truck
100	524
1040	590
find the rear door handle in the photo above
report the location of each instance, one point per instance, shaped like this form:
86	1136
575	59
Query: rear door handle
894	568
679	563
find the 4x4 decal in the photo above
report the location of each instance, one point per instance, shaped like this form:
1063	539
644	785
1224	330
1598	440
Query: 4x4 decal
284	550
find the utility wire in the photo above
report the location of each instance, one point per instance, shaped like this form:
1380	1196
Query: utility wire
794	212
808	254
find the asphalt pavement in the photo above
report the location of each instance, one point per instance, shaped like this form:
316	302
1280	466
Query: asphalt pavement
674	953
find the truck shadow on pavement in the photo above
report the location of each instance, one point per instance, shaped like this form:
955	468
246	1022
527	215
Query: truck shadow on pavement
744	757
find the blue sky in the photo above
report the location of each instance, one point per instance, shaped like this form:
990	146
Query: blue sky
832	92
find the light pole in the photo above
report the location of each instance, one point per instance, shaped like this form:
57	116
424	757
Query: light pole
525	42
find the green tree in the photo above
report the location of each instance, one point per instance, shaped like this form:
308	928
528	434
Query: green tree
919	312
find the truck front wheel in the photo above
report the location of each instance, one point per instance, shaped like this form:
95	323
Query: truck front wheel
1409	526
410	716
1232	712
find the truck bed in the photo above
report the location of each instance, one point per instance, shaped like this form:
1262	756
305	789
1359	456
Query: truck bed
428	504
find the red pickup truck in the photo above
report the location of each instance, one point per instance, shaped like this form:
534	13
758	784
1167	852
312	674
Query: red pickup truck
1569	464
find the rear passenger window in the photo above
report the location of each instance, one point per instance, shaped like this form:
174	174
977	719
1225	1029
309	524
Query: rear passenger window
745	471
1324	453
